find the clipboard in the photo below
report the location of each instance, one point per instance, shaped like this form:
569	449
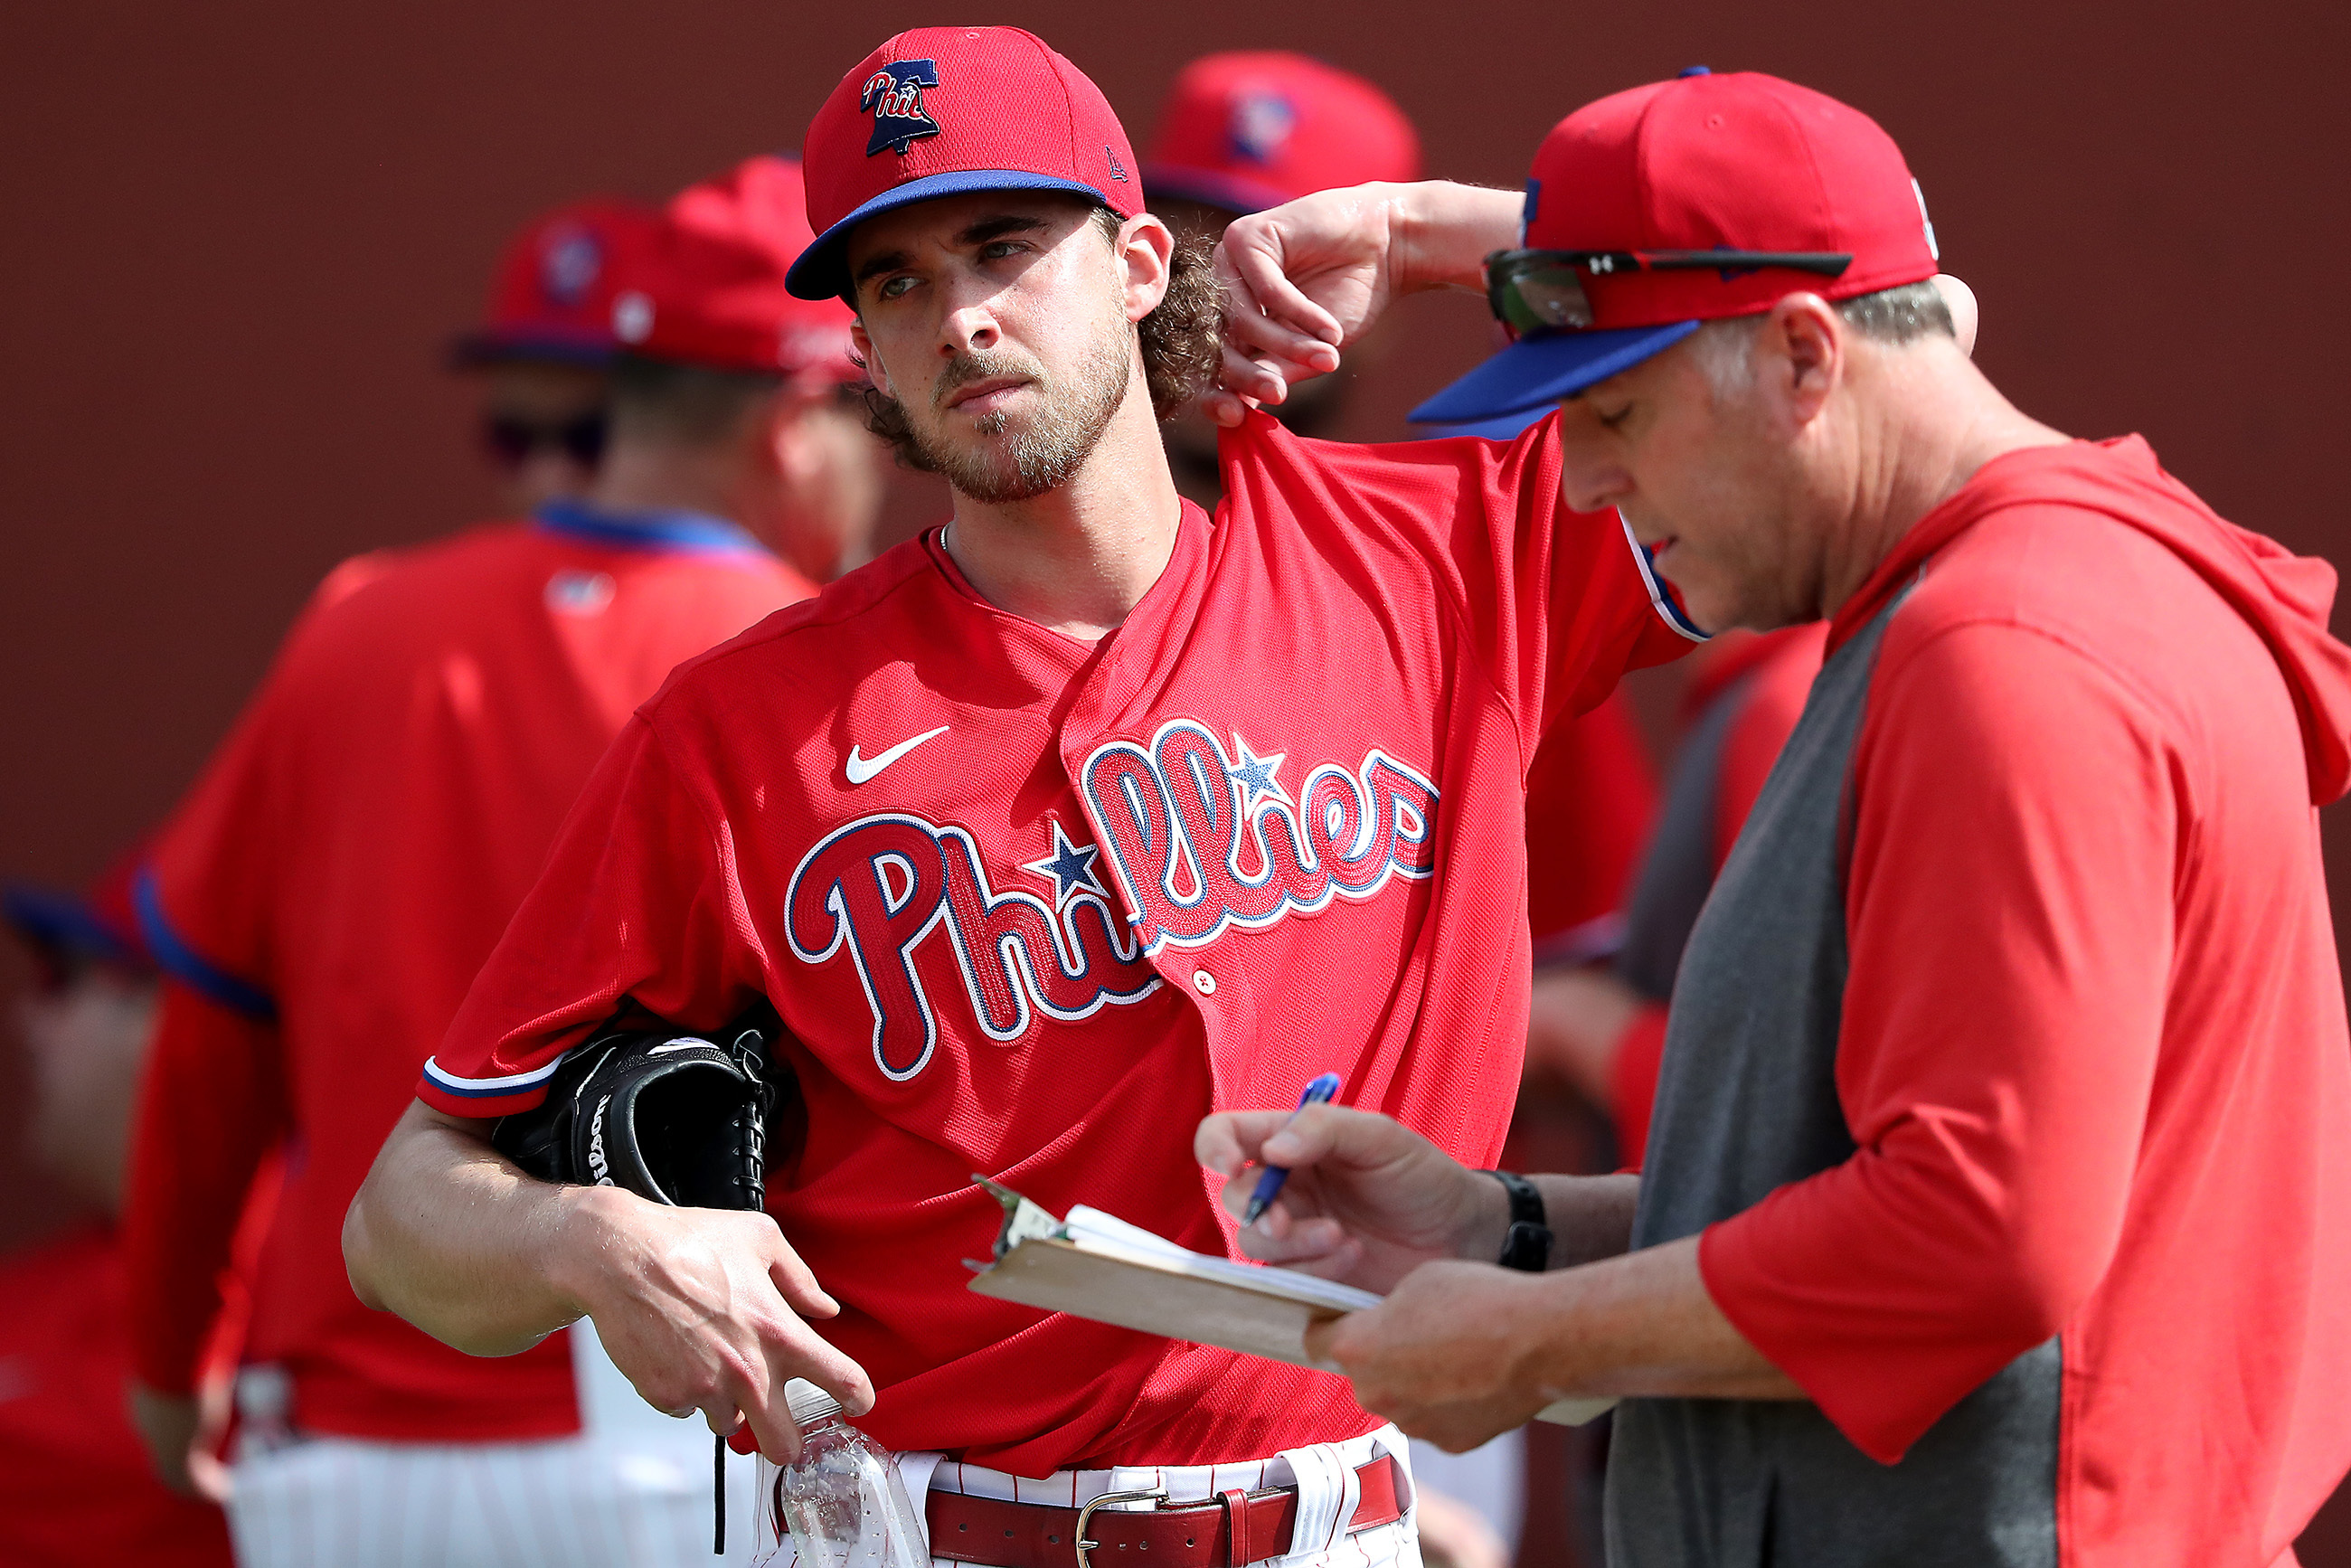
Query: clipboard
1096	1266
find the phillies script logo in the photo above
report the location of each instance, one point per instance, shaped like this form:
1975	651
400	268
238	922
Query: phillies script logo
884	885
1199	837
893	96
1202	839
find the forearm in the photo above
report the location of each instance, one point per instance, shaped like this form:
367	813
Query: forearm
1591	1217
1640	1324
450	1236
1440	233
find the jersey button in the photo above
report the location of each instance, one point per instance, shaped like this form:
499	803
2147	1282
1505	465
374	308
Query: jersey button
1204	982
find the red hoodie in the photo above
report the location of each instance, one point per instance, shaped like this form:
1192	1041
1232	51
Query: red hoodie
2093	1049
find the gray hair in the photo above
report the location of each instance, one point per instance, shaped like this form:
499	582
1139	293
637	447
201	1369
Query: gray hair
1892	317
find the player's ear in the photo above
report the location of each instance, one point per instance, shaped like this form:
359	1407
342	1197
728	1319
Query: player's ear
1800	355
1146	249
871	361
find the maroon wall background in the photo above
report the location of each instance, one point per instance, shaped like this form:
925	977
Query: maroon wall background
235	237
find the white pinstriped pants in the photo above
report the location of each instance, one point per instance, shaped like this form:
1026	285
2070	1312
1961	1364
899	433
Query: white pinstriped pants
1324	1475
337	1502
631	1491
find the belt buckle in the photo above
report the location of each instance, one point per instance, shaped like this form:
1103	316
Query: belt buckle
1086	1515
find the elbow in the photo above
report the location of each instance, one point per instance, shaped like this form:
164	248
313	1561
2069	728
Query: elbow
360	1264
2033	1291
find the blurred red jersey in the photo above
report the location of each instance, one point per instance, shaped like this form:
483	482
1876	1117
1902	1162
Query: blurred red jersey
1592	794
1032	906
75	1485
323	898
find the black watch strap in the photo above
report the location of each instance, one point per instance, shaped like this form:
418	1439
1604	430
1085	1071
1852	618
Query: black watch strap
1527	1245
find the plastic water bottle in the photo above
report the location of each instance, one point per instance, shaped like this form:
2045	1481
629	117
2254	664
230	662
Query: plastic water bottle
842	1503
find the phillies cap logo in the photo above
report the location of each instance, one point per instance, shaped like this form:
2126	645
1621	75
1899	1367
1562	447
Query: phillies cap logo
1260	126
569	264
894	97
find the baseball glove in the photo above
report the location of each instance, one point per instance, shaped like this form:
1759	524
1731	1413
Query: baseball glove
680	1118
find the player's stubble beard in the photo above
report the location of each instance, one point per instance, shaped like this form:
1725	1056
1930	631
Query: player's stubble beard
1019	458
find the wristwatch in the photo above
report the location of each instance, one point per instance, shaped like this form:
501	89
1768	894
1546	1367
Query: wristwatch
1527	1244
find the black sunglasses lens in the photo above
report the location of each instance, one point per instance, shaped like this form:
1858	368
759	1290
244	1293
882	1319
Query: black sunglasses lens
1533	291
509	440
583	440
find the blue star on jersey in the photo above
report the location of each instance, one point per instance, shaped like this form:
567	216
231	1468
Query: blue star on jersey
1256	775
1072	867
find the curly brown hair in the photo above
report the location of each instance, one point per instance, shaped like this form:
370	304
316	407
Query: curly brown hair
1182	339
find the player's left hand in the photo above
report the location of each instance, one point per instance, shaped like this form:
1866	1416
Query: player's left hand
169	1425
1444	1356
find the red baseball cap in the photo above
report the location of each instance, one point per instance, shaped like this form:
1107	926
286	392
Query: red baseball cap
940	111
552	297
708	290
1253	129
1737	162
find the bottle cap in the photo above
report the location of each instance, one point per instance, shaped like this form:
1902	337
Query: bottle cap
808	1403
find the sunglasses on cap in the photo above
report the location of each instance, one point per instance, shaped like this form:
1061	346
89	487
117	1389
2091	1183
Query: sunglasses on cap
513	441
1542	290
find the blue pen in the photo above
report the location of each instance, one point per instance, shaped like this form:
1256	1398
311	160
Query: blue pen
1269	1183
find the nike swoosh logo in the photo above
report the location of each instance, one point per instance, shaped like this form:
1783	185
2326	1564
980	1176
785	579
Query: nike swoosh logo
860	768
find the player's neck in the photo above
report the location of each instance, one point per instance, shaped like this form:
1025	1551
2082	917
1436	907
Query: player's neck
661	477
1078	559
1933	422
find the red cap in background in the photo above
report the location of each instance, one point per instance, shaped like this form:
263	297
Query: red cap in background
1254	129
552	297
709	287
940	111
1741	161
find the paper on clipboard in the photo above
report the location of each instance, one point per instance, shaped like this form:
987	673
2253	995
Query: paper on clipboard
1096	1266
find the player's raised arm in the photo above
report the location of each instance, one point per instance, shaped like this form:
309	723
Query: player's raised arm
702	1308
1306	279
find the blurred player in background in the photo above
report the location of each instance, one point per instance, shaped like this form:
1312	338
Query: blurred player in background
74	1485
544	349
1250	130
352	853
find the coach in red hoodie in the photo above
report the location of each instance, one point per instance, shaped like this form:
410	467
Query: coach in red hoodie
1997	1204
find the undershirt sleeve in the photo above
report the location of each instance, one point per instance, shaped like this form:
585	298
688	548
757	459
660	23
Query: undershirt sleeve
2010	900
638	901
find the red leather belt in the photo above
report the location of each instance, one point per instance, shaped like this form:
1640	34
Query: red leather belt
1236	1528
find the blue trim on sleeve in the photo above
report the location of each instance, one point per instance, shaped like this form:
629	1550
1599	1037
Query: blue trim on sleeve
661	532
448	1082
183	964
1660	596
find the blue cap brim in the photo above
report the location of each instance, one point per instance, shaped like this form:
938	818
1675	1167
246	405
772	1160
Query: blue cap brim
1544	368
822	273
60	922
1508	427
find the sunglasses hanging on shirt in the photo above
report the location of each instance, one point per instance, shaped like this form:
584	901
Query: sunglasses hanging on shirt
1542	290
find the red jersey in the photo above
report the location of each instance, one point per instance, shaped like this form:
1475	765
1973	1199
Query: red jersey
323	898
1590	796
1033	906
2093	1049
75	1487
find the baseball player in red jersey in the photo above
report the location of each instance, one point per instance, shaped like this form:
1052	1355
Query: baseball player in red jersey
1043	832
350	856
75	1485
545	345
